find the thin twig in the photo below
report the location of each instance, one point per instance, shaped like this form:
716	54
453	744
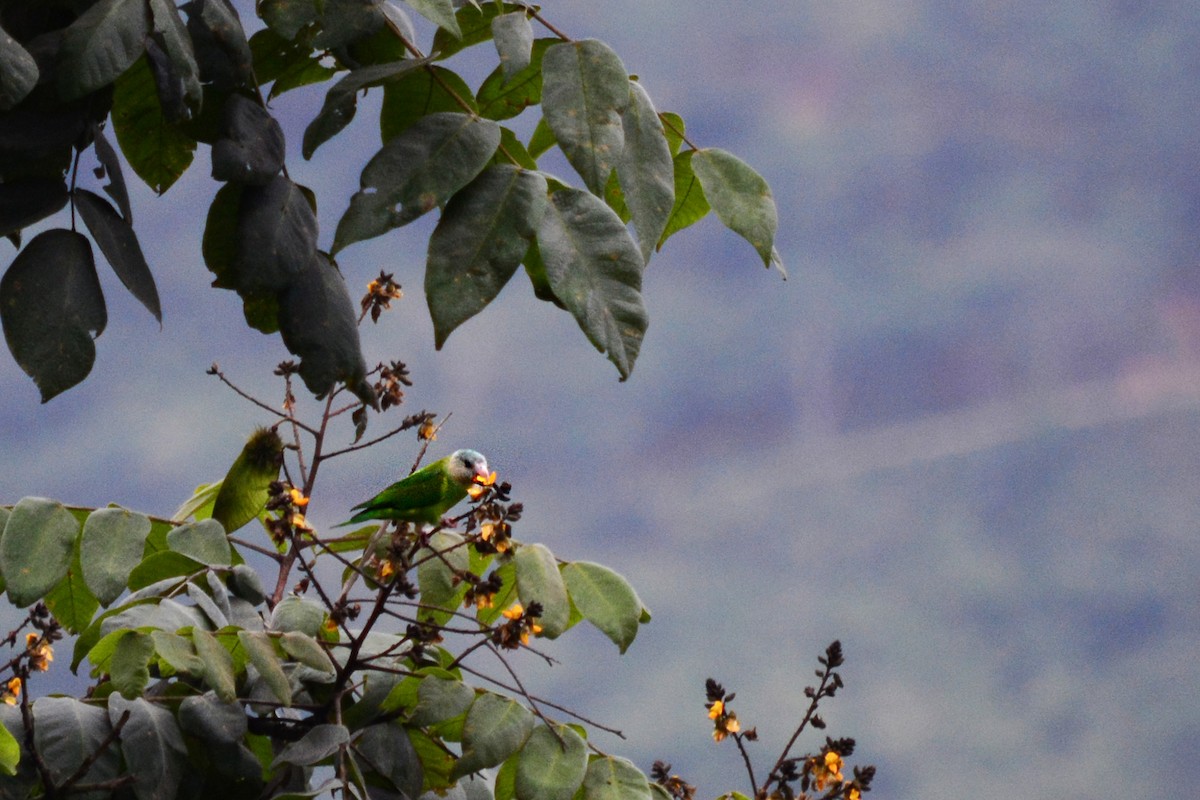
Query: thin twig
215	370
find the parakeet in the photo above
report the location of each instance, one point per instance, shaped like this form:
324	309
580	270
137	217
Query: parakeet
429	492
244	491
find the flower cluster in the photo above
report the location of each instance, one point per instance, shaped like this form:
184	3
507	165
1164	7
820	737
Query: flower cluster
725	721
380	294
392	377
286	501
521	624
676	786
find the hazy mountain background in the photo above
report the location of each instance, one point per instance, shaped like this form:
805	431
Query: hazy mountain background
964	437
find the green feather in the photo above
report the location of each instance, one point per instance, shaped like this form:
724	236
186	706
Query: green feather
424	496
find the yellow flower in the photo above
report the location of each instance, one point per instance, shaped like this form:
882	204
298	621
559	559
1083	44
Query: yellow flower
854	794
480	485
716	709
11	691
386	570
828	770
297	497
40	652
298	522
514	611
427	431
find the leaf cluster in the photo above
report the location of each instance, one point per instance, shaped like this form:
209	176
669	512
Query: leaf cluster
169	79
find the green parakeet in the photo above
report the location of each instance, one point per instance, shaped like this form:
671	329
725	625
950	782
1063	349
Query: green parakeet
243	492
429	492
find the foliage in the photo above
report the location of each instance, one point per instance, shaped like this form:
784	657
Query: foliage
232	649
172	79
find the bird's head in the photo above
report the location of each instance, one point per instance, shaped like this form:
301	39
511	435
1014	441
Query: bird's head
468	465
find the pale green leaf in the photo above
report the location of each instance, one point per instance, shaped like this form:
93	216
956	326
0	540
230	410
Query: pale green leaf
298	614
177	652
495	728
606	600
71	602
10	752
479	242
513	36
307	651
415	172
160	567
501	97
551	765
690	203
740	197
212	720
18	76
112	543
129	665
420	93
439	699
595	269
611	778
436	575
218	664
155	752
203	541
387	748
319	743
585	90
440	13
68	732
538	580
342	100
35	552
646	170
101	44
262	655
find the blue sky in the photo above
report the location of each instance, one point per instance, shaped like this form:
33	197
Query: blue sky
962	438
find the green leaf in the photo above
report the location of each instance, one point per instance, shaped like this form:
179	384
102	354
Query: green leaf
318	323
440	699
287	17
475	26
512	151
318	744
71	602
646	171
18	76
674	129
495	728
344	22
51	306
387	748
440	13
551	765
112	543
276	237
10	748
218	664
542	139
501	96
584	93
595	269
479	242
222	52
538	580
68	732
212	720
177	652
156	149
130	663
298	614
221	247
342	100
120	247
514	42
418	94
288	64
161	566
262	655
418	170
245	488
610	778
24	201
203	541
690	203
155	753
437	575
252	147
36	549
506	778
741	198
436	762
100	45
307	651
606	600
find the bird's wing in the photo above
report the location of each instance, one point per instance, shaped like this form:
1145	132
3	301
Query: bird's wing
424	487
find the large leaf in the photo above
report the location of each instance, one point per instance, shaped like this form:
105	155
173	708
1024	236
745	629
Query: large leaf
212	720
585	90
18	71
222	52
100	45
252	149
551	765
130	663
387	748
264	658
595	269
67	733
538	580
437	575
24	201
276	237
318	323
179	82
160	567
513	36
690	203
177	653
502	96
115	188
10	754
112	543
306	650
495	728
646	171
347	21
415	172
342	100
203	541
741	198
155	752
289	64
611	778
606	600
35	551
157	150
288	17
440	699
51	306
479	243
418	94
220	247
318	744
218	664
70	601
119	244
